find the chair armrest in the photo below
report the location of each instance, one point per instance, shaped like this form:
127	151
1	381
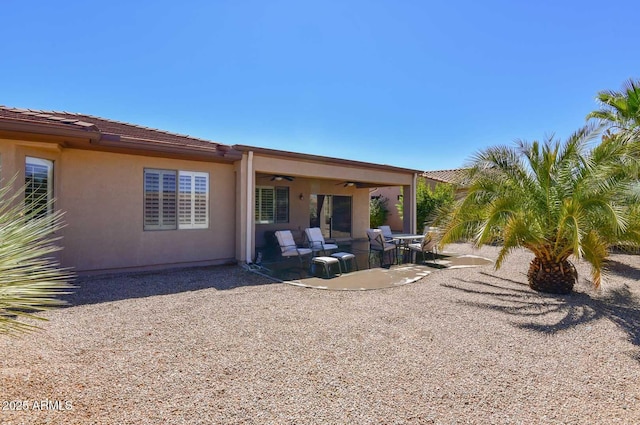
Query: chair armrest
287	247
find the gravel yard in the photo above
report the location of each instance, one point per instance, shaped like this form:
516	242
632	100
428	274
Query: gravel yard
220	345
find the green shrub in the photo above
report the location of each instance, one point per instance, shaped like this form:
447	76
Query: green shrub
429	202
378	211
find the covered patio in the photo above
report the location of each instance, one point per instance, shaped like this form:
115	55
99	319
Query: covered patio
279	190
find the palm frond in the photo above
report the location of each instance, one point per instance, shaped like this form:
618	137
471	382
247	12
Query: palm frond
620	109
595	251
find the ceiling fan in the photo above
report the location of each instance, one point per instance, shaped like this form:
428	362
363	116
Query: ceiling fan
348	184
279	178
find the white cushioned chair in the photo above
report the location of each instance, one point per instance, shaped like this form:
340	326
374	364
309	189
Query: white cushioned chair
288	247
428	244
317	242
378	245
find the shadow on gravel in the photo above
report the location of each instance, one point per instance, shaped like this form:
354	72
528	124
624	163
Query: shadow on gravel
116	287
621	269
515	298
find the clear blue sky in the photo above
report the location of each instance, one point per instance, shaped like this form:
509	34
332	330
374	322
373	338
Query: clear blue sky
416	84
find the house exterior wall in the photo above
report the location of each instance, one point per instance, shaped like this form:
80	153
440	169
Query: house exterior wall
102	196
101	192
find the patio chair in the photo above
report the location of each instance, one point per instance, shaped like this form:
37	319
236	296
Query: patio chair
387	234
428	244
316	240
378	245
288	247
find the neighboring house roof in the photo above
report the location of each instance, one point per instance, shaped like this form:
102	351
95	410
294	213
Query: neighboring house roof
445	176
118	134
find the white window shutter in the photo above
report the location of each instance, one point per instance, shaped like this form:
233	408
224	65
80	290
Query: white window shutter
193	200
159	199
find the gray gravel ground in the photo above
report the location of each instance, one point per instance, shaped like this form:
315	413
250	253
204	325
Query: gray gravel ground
218	345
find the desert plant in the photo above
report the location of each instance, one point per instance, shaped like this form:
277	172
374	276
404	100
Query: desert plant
30	279
558	200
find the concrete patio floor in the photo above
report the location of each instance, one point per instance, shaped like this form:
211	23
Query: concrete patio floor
362	280
375	277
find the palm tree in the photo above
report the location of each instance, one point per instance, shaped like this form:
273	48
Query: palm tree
557	200
29	278
619	109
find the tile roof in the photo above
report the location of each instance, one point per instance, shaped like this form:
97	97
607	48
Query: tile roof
445	176
105	126
116	134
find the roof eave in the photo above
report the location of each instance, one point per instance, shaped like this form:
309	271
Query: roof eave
48	129
324	159
220	152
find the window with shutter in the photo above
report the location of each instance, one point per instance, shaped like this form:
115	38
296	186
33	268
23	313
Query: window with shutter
159	199
175	200
193	200
185	207
272	205
264	205
38	186
282	205
169	213
201	200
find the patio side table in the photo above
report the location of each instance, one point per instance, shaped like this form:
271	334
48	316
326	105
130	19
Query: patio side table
326	262
343	257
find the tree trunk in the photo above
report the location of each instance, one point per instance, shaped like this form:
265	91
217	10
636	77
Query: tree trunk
551	276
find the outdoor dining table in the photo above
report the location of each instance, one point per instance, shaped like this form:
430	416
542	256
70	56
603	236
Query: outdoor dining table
404	239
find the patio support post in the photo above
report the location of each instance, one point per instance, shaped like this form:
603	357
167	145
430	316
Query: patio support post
414	204
250	207
409	206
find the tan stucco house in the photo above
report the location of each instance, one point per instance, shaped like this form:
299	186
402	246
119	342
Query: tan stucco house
139	198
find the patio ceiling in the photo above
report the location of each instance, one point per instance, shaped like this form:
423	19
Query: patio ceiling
274	178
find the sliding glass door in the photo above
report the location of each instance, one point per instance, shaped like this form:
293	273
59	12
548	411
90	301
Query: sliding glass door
332	214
